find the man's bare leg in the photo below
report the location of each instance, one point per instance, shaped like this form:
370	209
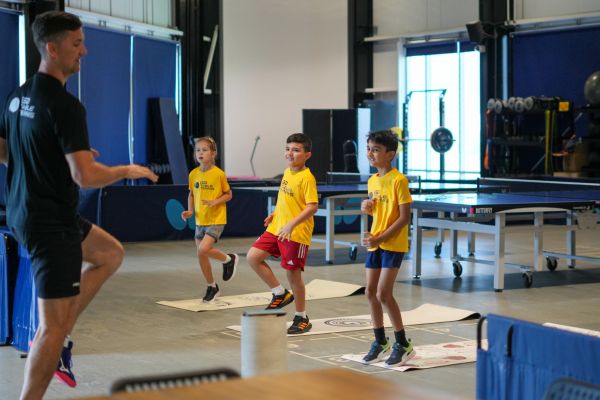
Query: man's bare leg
105	254
55	316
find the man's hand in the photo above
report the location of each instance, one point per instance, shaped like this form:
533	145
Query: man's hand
137	172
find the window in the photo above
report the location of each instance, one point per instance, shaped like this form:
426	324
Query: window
435	72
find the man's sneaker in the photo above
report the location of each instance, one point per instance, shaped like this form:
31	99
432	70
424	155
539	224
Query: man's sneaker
212	292
300	325
400	355
63	372
230	267
377	352
280	301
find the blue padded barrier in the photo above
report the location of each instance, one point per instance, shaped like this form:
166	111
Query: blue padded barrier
524	358
4	297
8	269
25	312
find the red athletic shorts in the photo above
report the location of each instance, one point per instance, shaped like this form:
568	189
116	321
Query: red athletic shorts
293	254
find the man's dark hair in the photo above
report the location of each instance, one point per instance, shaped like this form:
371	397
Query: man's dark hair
387	139
51	26
301	138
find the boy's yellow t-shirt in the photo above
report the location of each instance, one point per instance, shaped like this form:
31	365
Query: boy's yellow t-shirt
297	189
209	185
388	192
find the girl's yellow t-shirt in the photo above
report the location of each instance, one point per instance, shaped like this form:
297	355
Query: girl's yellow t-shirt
209	185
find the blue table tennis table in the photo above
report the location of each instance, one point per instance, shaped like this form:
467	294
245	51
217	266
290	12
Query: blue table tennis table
344	199
588	189
486	213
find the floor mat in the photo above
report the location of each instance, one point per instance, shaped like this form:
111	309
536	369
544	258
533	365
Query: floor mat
424	314
315	290
431	356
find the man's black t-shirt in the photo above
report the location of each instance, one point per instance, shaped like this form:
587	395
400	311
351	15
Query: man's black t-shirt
41	123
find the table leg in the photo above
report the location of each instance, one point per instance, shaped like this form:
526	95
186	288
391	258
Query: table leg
453	238
329	231
500	223
471	243
571	239
417	242
538	241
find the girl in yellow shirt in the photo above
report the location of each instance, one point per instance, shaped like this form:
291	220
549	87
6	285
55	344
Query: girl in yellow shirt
209	191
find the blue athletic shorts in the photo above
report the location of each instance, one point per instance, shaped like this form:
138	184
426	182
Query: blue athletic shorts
384	259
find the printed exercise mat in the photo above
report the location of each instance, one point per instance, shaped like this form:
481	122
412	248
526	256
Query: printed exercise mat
424	314
431	356
315	290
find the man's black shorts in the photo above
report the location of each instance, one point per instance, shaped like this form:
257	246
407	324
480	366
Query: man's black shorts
56	259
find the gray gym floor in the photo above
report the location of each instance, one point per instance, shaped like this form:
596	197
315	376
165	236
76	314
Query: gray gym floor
125	333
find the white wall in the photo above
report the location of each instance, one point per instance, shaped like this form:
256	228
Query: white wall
152	12
400	17
279	57
405	17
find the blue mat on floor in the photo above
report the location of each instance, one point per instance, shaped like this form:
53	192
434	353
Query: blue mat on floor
485	283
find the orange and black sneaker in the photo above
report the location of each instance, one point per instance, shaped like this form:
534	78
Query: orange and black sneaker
280	301
300	325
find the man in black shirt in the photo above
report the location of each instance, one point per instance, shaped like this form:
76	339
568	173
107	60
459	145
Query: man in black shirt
44	143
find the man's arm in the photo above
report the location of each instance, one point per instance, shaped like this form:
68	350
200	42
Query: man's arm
86	172
3	152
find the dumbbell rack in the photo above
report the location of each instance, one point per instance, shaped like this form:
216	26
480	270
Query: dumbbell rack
522	135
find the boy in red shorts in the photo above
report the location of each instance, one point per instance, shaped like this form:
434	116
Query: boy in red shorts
289	232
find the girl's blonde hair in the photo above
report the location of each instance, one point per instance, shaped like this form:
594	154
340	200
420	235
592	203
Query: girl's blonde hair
211	142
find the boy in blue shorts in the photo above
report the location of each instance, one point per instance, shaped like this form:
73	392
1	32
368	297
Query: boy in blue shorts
389	204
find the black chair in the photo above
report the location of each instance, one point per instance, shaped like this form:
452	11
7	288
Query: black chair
570	389
349	150
184	379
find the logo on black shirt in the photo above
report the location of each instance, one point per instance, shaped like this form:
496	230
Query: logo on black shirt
14	105
27	110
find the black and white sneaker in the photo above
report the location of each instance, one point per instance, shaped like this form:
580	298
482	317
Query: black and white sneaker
400	354
212	292
377	352
230	267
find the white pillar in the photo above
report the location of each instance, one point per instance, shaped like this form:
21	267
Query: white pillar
264	342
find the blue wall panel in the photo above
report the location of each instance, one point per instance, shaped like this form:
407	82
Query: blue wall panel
153	76
555	63
105	87
9	68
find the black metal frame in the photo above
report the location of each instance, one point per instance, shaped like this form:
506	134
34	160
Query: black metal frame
160	382
360	53
201	112
493	76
